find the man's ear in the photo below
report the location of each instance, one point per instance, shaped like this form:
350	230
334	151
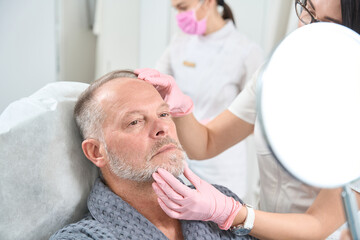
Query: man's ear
94	151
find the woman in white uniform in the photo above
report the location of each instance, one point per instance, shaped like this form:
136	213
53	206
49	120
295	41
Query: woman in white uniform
280	193
211	62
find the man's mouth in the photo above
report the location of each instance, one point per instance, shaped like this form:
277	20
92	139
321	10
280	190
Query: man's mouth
166	148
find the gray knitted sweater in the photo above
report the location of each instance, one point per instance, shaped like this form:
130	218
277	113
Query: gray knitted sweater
110	217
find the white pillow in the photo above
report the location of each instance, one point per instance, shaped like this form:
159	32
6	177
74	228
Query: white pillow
44	177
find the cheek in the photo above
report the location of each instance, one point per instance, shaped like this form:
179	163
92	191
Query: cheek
125	145
172	132
300	24
334	7
200	14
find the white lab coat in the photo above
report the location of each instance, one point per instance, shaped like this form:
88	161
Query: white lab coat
212	70
279	192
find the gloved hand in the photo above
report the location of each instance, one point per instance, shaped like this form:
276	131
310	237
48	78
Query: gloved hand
204	203
180	104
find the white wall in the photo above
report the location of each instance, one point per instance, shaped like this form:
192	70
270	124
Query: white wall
76	42
265	22
27	47
154	31
131	34
118	35
43	41
250	17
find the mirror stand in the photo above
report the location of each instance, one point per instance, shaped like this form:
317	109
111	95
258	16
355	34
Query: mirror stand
351	210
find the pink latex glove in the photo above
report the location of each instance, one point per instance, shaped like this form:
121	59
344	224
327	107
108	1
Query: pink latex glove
180	104
204	203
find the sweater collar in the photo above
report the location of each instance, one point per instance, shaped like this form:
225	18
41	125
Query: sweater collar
111	210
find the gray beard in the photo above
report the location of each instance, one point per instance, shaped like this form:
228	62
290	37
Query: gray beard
122	169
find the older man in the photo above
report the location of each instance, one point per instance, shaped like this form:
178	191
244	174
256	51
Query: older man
128	133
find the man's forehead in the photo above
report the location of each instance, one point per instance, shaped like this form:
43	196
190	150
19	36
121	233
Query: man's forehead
123	81
127	91
120	85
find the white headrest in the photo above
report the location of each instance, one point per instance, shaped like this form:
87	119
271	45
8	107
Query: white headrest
44	177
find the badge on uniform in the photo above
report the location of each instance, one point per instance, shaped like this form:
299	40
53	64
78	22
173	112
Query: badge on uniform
189	64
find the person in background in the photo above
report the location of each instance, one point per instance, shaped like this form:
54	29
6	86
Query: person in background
211	61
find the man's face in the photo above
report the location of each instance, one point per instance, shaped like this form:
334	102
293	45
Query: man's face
139	133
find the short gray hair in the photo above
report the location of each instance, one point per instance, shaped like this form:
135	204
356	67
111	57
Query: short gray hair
89	115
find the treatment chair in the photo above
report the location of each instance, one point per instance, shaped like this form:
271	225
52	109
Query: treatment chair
44	177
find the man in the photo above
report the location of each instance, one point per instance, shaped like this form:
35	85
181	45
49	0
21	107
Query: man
128	133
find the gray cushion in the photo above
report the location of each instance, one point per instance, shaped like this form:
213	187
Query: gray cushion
44	177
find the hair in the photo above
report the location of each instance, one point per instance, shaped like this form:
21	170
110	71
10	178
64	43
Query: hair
88	113
350	11
227	13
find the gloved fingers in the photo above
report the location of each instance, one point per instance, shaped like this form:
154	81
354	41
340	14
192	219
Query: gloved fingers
179	110
192	177
174	183
163	75
168	211
164	198
144	73
167	189
164	82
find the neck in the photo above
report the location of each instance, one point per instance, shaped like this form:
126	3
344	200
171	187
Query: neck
142	197
214	24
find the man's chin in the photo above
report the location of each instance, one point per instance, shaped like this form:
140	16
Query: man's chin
173	163
174	170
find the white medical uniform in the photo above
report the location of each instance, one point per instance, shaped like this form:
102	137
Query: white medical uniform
279	192
212	70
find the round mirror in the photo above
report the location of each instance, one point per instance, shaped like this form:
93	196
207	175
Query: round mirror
309	104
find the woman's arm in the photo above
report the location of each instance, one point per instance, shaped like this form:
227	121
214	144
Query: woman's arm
323	217
206	141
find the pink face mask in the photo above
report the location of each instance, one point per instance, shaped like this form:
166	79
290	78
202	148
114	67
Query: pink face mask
189	24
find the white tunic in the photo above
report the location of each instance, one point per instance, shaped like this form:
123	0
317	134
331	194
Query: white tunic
212	70
279	192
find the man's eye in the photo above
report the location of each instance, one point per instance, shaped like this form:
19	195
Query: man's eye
164	115
134	122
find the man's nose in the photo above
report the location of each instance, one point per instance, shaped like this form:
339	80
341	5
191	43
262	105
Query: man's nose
160	128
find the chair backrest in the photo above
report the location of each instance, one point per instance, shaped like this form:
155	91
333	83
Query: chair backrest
44	177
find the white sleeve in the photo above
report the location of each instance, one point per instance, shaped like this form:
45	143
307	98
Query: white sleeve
163	65
244	105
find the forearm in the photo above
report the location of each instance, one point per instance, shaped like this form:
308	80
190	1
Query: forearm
202	142
286	226
193	136
323	217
